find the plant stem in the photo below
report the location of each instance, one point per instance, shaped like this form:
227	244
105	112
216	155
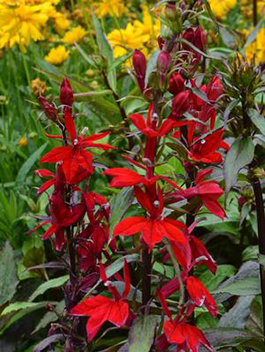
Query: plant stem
261	238
146	278
255	13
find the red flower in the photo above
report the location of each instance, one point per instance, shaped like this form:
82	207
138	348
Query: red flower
180	104
199	251
154	227
76	161
186	337
204	149
101	309
47	184
208	192
146	128
200	295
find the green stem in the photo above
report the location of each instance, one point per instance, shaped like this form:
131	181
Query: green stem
26	69
261	238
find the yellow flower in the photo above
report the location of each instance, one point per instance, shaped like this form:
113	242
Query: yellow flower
74	35
256	49
57	55
110	7
221	7
21	24
135	36
61	22
130	37
23	142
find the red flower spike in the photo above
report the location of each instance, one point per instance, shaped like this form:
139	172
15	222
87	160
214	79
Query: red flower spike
200	295
139	64
126	178
101	309
186	337
66	93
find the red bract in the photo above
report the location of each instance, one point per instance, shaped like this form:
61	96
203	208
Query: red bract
76	161
186	337
200	295
154	227
101	309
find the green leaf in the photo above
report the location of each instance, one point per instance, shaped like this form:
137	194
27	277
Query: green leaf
151	65
50	317
258	120
88	59
212	281
229	108
141	334
14	307
8	278
103	44
119	204
53	283
222	337
199	93
119	263
245	287
261	258
240	154
253	34
29	164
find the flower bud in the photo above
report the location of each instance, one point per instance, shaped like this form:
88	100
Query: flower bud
200	38
170	11
176	83
66	93
49	110
180	104
139	64
161	42
163	63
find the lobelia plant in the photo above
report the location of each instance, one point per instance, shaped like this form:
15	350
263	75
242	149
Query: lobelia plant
151	311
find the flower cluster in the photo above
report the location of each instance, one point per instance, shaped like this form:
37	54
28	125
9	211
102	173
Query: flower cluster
182	115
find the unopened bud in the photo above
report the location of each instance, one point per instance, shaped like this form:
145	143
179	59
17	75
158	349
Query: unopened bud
139	64
176	83
163	63
180	104
49	110
161	42
66	93
170	11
